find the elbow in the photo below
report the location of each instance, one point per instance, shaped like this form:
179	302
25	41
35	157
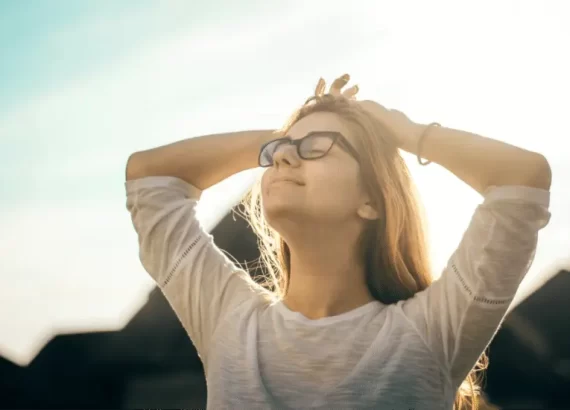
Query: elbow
532	171
134	168
541	176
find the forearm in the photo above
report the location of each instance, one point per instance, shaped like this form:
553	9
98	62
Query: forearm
201	161
482	162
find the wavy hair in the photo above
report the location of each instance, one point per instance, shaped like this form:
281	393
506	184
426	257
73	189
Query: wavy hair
394	247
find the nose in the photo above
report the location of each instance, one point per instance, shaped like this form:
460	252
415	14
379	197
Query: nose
286	154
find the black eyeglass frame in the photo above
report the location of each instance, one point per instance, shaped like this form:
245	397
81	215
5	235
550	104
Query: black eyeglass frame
336	136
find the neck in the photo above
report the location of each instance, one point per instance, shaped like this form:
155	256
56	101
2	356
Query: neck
326	278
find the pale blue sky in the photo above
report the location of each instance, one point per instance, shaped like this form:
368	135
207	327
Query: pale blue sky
45	43
84	84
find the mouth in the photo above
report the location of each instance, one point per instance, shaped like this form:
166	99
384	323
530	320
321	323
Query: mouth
287	180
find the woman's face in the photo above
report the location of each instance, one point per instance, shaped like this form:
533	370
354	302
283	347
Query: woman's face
326	190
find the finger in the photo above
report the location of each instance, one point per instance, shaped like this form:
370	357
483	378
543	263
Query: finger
320	89
337	84
351	92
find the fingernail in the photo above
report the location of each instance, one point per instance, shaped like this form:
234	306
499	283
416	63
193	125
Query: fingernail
346	77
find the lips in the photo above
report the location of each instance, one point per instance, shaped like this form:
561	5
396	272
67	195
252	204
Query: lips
294	181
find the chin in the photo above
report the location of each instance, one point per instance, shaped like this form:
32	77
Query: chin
274	211
277	207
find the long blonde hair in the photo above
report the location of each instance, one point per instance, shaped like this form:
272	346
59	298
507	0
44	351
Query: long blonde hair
394	247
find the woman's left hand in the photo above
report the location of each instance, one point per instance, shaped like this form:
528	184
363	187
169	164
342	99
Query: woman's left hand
398	124
404	130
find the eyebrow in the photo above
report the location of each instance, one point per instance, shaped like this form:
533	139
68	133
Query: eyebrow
315	132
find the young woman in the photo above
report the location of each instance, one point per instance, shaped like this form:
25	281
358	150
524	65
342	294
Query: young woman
351	318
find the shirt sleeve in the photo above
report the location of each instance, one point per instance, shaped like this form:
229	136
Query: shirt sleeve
459	314
198	280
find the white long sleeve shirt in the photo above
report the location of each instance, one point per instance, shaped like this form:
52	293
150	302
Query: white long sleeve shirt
257	354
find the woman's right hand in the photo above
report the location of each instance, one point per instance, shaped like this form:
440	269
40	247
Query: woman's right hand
336	88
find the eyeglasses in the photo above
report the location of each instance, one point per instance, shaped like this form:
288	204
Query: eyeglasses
314	145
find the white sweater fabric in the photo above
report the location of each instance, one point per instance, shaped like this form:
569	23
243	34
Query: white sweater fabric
258	354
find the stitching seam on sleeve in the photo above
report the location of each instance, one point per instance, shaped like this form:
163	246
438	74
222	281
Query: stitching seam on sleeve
463	283
177	264
475	298
490	301
481	299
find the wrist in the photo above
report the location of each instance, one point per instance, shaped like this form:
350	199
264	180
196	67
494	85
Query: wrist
410	142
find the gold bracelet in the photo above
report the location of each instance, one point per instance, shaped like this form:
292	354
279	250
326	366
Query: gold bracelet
433	124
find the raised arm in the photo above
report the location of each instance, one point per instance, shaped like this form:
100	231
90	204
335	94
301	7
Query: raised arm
458	315
478	161
200	161
163	186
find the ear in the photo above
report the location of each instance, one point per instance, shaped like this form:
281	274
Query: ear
367	211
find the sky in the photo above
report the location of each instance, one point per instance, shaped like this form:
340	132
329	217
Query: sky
85	84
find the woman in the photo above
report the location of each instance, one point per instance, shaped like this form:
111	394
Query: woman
350	317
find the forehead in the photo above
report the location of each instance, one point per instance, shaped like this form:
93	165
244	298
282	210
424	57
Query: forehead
320	121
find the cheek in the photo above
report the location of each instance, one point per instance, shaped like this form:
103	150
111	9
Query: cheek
264	181
337	187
